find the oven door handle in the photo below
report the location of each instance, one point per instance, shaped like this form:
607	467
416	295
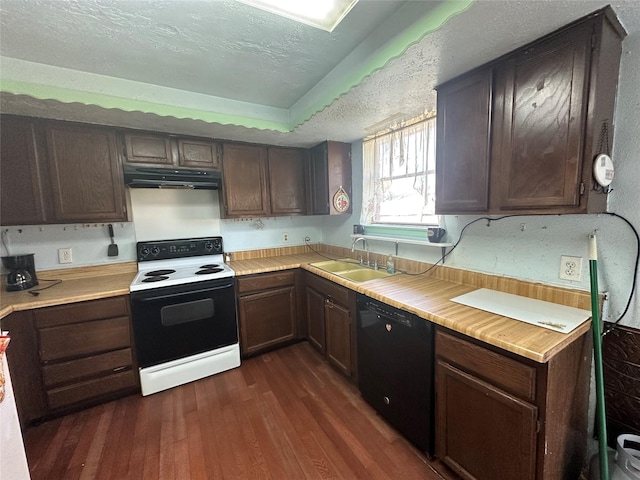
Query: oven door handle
181	294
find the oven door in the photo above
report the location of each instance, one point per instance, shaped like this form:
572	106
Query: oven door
183	320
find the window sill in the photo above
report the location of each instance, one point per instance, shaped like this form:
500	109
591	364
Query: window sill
410	241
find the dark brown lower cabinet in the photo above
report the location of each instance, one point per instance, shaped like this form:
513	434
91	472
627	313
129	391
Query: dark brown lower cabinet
330	310
71	356
338	336
316	322
501	417
267	310
501	428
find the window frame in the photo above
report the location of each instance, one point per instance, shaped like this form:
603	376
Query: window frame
375	178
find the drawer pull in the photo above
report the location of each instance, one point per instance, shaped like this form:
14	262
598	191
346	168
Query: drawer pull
120	369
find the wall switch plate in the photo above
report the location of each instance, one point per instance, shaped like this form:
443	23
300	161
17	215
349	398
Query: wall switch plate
65	255
571	268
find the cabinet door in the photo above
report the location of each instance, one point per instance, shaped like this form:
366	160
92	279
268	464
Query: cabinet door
315	317
85	174
463	144
338	334
319	180
330	170
267	319
482	432
199	154
24	366
245	180
22	197
148	148
540	116
286	181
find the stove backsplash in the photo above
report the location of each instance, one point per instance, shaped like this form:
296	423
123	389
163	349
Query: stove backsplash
173	214
163	214
158	215
89	243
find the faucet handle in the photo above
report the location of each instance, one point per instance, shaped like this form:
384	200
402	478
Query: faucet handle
375	264
361	260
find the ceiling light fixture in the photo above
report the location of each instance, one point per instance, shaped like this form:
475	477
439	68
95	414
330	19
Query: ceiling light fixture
323	14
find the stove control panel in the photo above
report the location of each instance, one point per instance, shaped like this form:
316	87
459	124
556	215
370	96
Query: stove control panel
188	247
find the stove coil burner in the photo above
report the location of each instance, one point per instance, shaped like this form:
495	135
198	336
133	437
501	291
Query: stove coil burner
158	273
155	278
210	265
208	270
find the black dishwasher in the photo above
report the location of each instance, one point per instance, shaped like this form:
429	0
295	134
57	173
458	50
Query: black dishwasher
395	368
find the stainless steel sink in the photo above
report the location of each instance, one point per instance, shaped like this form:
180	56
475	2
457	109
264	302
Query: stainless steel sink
350	270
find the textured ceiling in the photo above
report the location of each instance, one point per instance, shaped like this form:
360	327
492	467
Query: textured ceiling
227	50
222	48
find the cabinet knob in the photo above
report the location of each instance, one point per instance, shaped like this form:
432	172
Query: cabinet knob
387	401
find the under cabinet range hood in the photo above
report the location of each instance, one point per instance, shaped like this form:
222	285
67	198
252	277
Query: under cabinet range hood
154	177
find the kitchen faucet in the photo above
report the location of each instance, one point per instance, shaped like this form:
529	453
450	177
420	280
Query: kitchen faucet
366	246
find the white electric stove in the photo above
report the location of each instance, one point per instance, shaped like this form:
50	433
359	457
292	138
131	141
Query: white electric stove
183	312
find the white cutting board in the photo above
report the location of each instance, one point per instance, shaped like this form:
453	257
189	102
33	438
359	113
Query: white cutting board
553	316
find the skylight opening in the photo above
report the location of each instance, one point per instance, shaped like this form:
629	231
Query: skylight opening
322	14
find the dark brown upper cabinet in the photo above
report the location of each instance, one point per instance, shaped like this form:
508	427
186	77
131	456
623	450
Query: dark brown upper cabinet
59	172
199	154
286	180
22	198
85	173
463	147
244	188
329	174
262	181
520	135
165	150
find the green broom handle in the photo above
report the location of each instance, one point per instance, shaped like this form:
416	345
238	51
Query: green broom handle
597	355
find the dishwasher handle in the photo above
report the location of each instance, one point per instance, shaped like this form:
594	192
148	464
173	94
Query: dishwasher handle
386	314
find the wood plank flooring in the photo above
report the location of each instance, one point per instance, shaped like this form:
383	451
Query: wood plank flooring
283	415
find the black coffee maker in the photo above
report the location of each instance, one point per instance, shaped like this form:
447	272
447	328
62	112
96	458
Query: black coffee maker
22	272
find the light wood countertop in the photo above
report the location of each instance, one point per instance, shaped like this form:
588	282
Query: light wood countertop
273	264
429	298
78	285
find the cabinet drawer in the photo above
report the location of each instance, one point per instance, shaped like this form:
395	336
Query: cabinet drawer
329	289
265	281
78	312
98	387
93	366
508	374
85	338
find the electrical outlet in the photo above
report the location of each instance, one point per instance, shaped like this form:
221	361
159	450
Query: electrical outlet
285	237
571	268
65	255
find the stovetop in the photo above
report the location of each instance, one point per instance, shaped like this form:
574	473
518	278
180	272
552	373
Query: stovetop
167	263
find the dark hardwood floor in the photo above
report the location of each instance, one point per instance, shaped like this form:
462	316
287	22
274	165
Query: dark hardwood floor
282	415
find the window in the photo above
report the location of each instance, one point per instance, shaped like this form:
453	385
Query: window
399	176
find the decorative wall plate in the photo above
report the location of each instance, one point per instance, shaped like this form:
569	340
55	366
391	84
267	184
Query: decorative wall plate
341	201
